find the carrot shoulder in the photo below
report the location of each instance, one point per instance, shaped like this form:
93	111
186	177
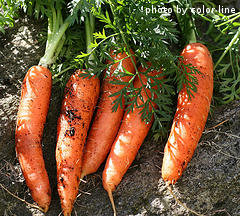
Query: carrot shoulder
77	109
106	122
31	117
130	137
191	115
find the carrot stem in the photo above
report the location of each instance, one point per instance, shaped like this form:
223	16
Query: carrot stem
59	22
54	18
89	28
47	59
233	41
228	21
50	32
188	30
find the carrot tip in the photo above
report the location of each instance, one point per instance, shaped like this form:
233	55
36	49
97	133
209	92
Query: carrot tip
67	212
112	202
82	176
45	209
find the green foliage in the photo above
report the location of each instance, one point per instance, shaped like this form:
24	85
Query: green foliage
128	26
82	6
230	85
8	12
224	33
187	71
74	43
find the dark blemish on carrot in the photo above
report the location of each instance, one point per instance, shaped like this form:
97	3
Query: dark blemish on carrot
183	164
71	114
70	132
49	192
86	107
61	179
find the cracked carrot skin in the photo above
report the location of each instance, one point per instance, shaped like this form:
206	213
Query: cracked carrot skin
31	117
106	122
191	115
78	105
130	137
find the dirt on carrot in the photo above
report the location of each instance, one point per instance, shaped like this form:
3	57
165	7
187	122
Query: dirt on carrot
78	105
191	114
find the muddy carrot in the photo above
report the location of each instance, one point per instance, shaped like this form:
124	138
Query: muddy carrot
191	115
76	113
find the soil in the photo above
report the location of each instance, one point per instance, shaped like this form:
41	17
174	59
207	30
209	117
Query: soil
210	184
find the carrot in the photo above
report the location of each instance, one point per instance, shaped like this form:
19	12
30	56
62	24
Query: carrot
191	115
77	109
106	122
31	117
130	137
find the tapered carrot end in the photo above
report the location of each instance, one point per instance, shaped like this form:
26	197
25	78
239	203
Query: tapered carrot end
112	202
67	204
45	209
67	207
42	199
82	175
66	213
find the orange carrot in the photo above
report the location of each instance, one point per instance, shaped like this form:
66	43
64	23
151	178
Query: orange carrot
191	115
130	137
77	109
31	117
106	122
